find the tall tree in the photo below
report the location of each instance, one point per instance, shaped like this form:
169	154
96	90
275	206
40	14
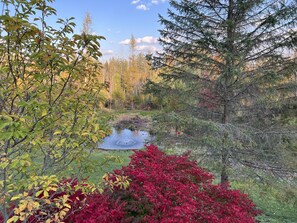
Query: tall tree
49	104
220	59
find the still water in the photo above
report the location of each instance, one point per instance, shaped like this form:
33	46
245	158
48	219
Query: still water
125	139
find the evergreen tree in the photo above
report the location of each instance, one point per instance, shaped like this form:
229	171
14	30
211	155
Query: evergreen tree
220	60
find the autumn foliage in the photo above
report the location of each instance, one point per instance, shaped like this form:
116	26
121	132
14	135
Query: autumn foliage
162	188
167	188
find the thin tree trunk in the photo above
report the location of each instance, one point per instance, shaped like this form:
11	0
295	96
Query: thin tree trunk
225	154
4	176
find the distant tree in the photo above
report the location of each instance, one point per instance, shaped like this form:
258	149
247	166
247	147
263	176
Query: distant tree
87	23
132	45
222	64
126	78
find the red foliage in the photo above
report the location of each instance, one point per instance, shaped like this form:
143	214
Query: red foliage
99	208
163	188
209	99
174	189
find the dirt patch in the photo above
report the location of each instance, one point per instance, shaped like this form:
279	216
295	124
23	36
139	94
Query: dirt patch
132	123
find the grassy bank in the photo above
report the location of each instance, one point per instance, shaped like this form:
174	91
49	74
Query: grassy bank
97	164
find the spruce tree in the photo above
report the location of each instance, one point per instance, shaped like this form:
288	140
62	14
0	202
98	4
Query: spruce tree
222	63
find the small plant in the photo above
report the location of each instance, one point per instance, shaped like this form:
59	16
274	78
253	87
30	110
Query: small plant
49	200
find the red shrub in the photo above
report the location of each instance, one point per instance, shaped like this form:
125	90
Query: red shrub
99	209
172	188
163	188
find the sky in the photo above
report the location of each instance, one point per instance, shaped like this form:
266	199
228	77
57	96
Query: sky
117	20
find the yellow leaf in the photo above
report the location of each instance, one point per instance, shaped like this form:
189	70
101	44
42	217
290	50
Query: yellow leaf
65	198
44	112
105	177
62	214
58	132
67	205
22	217
56	217
13	219
22	206
45	193
15	198
38	193
30	206
94	138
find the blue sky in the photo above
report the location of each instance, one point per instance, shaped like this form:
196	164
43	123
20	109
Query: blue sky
116	20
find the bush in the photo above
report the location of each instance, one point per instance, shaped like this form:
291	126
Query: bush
156	187
49	201
168	189
99	209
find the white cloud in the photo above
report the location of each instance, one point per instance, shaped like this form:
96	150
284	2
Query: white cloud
135	2
146	48
146	44
142	7
144	4
107	52
125	42
145	39
155	2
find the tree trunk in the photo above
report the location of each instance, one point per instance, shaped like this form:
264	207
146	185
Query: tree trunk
228	75
4	177
225	154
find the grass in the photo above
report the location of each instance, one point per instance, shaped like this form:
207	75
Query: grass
277	201
97	164
143	113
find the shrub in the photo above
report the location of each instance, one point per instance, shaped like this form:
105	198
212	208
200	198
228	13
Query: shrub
49	200
99	209
157	188
168	189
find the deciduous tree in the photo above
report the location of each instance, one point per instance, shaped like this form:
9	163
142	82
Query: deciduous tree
49	104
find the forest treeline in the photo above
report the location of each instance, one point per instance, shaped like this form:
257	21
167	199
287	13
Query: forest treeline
125	81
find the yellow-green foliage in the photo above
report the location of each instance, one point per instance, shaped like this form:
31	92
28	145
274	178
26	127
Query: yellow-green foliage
50	98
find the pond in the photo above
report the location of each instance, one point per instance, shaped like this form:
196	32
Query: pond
125	139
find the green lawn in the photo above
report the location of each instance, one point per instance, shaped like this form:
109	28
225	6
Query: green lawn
278	201
98	163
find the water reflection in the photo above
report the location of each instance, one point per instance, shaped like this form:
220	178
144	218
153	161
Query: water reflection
125	139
